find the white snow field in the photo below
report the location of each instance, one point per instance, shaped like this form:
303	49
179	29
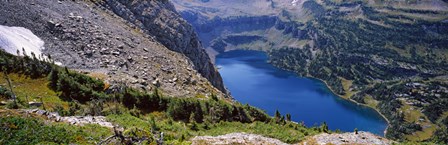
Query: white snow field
16	38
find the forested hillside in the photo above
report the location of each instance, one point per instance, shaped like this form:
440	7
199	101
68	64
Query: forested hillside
393	59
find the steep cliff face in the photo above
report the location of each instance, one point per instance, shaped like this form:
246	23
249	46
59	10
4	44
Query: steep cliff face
143	44
160	19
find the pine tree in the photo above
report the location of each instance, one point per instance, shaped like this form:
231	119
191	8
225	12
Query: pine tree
5	72
198	112
324	127
192	117
277	116
282	120
288	117
54	77
66	71
194	125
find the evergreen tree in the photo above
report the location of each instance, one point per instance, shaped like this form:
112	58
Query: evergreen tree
14	97
282	120
199	114
193	123
54	77
192	117
66	71
324	127
235	113
277	116
288	117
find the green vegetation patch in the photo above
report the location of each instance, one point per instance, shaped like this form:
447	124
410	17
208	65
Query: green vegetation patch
179	131
23	130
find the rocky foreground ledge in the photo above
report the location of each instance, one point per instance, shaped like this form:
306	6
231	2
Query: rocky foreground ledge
321	139
73	120
348	138
235	139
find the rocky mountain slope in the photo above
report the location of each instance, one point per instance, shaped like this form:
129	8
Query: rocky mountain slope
369	51
144	44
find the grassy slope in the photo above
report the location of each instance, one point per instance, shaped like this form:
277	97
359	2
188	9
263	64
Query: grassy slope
24	129
412	114
177	131
33	90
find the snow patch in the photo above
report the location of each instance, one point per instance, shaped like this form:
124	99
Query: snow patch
16	38
294	2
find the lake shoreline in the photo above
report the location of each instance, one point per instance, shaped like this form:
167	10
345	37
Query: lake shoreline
381	118
332	91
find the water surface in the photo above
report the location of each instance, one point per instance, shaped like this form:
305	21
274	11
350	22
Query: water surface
252	80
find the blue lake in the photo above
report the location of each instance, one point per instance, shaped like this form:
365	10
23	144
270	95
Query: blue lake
252	80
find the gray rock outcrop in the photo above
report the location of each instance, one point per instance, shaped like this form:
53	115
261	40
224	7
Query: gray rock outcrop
236	138
73	120
362	137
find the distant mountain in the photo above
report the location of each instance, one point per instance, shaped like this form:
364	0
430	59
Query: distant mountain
369	51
